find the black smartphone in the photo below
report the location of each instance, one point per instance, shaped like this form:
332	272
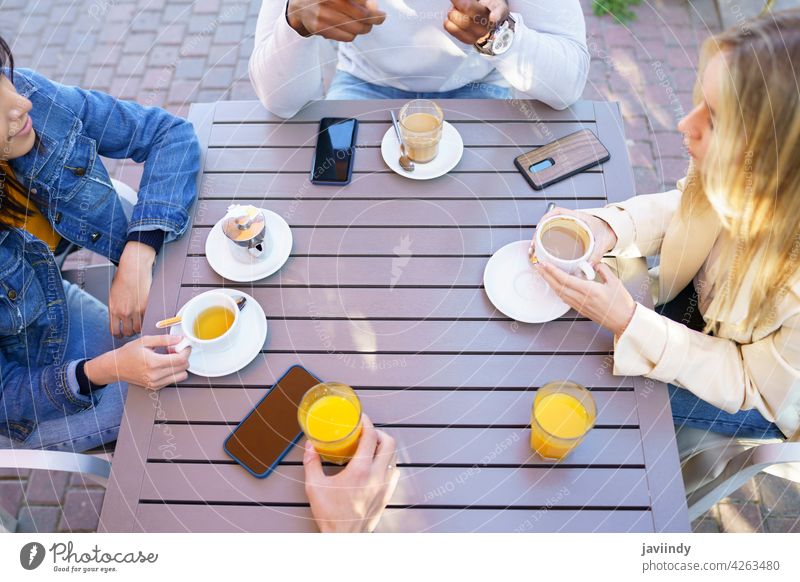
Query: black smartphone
335	151
271	429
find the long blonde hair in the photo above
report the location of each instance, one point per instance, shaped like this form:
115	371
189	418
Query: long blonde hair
751	172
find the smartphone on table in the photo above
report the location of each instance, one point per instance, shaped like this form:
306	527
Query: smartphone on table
335	151
561	159
271	429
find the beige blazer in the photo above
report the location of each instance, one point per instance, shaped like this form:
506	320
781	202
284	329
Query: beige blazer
737	368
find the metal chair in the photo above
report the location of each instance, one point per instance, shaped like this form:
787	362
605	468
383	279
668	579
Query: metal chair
714	465
94	464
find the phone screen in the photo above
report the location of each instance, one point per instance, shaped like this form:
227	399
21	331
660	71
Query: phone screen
270	430
333	157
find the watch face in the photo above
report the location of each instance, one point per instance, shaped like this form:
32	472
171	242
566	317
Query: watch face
502	40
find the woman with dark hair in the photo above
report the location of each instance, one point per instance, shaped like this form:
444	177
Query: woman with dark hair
62	378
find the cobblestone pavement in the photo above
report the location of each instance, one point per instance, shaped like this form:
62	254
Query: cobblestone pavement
172	53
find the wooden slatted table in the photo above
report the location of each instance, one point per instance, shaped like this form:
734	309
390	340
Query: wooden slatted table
383	291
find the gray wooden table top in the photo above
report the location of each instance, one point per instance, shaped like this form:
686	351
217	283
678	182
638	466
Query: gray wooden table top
383	291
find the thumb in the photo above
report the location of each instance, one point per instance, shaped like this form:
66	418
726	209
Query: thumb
497	10
160	341
378	15
312	464
605	272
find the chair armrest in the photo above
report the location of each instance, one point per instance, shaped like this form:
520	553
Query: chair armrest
95	468
740	469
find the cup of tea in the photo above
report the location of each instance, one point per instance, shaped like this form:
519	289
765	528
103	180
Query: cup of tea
209	322
566	242
330	416
421	127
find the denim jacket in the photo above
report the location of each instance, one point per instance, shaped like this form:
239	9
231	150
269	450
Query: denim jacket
76	127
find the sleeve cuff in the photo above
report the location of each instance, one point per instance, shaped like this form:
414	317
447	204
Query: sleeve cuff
642	345
152	238
85	386
620	222
73	388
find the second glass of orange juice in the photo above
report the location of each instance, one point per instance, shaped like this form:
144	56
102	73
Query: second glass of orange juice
330	416
563	412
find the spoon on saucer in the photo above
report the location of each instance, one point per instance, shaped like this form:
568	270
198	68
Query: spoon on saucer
405	161
169	322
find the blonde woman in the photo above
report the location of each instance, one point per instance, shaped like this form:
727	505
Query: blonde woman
728	339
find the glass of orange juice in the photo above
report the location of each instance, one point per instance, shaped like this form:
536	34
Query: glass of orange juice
563	412
330	416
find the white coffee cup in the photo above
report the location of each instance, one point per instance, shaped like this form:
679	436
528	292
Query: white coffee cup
582	231
193	308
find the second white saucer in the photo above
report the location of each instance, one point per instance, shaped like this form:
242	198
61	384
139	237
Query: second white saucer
223	257
451	148
517	290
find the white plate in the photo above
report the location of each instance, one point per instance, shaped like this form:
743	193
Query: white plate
517	290
450	150
229	262
247	344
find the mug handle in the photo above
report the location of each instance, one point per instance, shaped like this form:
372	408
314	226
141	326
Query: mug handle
182	345
587	270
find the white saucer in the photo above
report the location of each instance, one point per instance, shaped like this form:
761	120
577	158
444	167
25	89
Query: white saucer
517	290
247	344
450	150
223	257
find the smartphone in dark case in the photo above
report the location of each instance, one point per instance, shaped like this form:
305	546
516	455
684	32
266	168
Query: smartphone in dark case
561	159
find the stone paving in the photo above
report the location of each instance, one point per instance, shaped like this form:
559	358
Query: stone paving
172	53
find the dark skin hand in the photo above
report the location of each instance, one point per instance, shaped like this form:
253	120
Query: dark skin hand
340	20
471	20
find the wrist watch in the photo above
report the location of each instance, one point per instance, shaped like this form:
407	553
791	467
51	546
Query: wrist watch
499	40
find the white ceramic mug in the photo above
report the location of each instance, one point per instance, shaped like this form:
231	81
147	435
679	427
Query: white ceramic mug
195	307
571	266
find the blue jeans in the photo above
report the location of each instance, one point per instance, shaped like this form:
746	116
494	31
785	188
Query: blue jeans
688	409
346	86
89	336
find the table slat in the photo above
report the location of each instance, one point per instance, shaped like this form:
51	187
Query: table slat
367	159
428	371
436	486
225	518
419	446
396	407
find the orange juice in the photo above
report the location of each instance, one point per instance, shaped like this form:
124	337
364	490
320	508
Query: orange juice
330	416
563	412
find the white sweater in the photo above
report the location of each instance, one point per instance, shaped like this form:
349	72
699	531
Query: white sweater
411	50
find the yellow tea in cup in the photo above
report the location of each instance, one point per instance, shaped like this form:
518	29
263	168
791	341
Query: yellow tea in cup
563	412
212	322
330	416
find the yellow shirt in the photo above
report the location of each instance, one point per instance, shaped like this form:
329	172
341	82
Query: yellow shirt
34	222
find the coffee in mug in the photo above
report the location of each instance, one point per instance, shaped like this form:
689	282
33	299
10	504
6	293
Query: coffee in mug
566	242
421	127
